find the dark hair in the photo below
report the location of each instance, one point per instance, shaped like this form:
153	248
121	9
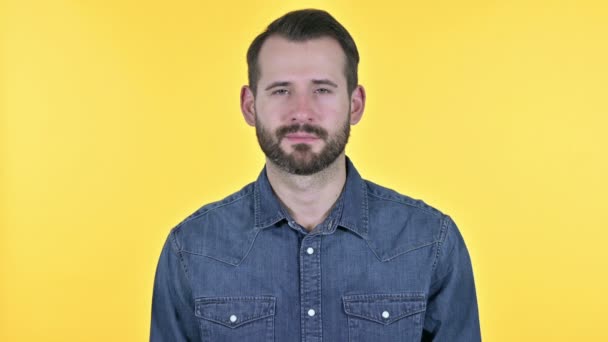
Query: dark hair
303	25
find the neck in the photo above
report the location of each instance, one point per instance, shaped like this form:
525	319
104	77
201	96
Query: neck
308	199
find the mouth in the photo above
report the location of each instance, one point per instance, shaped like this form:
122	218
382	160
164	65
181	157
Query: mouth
301	137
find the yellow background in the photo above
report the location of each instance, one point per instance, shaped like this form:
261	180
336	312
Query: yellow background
120	118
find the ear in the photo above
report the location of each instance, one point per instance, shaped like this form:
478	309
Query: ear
248	105
357	104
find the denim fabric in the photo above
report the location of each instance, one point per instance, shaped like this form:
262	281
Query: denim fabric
382	267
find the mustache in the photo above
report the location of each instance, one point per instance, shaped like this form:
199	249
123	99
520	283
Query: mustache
307	128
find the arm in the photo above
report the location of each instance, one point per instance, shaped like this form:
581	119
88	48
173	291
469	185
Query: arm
452	313
172	304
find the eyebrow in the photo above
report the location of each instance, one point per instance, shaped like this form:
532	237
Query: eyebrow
278	84
286	83
326	82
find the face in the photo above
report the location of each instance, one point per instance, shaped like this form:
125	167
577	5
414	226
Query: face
302	111
300	137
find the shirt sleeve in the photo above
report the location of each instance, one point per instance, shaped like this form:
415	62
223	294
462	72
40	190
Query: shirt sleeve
173	317
452	313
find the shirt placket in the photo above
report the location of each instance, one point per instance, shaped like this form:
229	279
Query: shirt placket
310	288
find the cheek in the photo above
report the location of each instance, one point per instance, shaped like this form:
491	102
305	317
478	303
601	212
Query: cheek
334	104
334	113
266	125
273	111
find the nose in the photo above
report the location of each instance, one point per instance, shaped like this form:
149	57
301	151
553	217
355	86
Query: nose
303	110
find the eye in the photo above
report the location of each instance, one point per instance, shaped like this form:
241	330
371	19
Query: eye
279	92
323	91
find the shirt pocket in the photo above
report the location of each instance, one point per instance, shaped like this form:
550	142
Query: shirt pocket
227	319
385	317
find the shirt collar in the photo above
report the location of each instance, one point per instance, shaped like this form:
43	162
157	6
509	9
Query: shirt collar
352	216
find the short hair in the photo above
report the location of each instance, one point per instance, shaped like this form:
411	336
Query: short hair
300	26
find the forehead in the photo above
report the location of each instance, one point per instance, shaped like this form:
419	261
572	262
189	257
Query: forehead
314	58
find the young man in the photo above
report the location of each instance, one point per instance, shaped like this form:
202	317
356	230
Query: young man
311	251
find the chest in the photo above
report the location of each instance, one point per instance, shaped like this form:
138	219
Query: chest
312	288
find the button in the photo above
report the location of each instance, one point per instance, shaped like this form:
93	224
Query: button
385	314
233	318
310	250
311	312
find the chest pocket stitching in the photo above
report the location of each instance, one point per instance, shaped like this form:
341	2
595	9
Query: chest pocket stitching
371	307
245	309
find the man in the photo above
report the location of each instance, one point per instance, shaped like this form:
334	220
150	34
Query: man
311	251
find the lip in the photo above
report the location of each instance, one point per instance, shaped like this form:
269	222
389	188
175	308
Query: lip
301	137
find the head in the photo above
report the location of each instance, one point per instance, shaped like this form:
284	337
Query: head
303	93
300	26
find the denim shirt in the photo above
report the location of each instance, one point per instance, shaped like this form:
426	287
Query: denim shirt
382	267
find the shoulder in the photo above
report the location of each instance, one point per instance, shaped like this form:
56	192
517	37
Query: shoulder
400	224
221	230
221	207
385	196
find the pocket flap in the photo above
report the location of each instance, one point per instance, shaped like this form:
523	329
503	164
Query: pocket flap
234	311
384	308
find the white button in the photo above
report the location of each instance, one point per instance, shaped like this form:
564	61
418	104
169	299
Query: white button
385	314
310	250
311	312
233	318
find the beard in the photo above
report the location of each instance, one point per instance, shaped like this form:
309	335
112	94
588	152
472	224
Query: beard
302	161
